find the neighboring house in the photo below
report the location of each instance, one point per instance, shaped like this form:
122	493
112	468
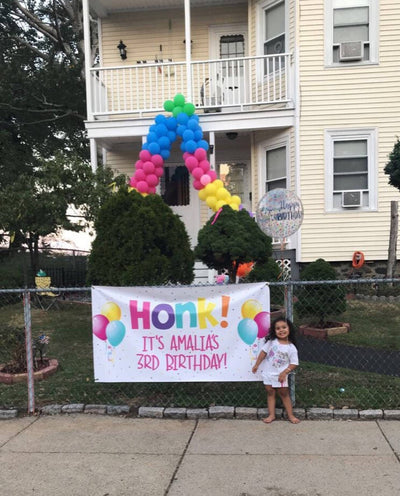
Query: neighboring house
301	94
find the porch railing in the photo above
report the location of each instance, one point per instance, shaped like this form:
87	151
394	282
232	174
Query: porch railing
241	82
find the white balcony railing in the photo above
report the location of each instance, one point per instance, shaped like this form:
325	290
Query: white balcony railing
216	84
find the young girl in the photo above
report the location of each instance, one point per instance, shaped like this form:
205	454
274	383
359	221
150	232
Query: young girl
281	354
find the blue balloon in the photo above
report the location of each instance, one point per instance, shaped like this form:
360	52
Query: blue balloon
203	144
192	124
191	146
161	130
151	137
171	135
182	118
165	154
198	135
183	146
164	142
171	123
188	135
154	148
153	128
145	146
115	332
247	330
180	130
194	117
160	119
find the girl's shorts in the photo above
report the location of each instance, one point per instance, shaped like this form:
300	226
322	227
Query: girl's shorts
272	380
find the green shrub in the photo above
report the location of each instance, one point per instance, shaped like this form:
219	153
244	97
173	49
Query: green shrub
319	302
231	239
141	242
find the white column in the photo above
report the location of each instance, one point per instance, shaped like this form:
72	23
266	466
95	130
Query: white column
93	154
87	48
188	49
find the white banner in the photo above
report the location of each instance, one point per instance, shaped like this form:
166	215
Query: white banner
171	334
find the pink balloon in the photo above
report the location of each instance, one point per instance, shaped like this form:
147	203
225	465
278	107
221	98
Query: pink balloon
205	165
139	164
159	171
152	190
140	175
263	321
133	182
186	155
100	322
200	154
157	160
142	187
197	184
213	175
197	172
148	167
205	179
145	155
191	163
152	180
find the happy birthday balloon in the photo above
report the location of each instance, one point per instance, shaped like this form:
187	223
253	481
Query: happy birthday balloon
111	311
247	330
115	332
279	213
99	325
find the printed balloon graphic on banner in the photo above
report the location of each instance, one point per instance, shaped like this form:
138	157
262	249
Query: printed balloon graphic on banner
107	325
183	123
279	213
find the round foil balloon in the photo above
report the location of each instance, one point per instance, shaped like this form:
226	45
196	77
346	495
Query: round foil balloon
279	213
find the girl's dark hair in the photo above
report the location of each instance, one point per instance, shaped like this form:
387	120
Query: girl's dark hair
272	332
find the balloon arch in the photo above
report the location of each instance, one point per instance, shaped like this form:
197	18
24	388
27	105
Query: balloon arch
157	148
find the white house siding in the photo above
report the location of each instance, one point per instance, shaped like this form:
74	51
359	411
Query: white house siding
350	97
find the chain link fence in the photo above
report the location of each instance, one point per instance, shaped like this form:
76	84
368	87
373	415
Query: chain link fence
348	340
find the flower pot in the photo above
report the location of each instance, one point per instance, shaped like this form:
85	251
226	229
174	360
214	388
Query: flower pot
330	329
49	368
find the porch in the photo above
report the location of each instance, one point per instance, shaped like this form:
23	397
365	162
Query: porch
239	84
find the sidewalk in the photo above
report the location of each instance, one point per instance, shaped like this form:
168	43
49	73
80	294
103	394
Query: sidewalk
95	455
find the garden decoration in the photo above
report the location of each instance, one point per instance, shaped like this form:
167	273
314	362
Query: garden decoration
157	148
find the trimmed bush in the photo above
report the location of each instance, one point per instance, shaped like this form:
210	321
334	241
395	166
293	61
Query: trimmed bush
139	242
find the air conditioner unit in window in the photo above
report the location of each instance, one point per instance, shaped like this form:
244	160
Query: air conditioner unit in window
351	199
351	50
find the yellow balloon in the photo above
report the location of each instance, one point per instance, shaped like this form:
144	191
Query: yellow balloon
218	183
236	199
210	189
211	201
223	194
234	206
220	204
251	308
111	311
202	194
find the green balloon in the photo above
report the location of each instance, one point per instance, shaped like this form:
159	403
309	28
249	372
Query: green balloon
189	108
177	111
179	100
169	105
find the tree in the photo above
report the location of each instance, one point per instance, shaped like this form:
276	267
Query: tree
320	300
139	241
392	169
231	238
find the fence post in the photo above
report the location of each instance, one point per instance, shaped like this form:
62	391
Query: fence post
29	354
289	315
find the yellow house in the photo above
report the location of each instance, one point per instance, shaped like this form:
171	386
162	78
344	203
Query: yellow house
299	94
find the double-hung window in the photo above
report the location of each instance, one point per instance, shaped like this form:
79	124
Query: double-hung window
275	168
351	181
273	32
351	32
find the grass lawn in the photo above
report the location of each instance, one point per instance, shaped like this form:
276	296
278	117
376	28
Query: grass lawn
316	385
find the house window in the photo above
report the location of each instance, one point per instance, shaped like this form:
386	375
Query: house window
274	33
232	46
351	179
174	186
275	168
352	34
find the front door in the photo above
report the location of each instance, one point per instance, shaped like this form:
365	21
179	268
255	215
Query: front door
229	44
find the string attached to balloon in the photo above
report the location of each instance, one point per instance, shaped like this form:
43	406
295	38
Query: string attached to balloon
183	123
